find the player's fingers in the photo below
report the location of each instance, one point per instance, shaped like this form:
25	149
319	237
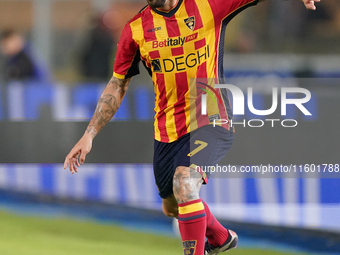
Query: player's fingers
68	159
311	6
66	162
71	159
76	163
82	156
76	160
72	156
73	168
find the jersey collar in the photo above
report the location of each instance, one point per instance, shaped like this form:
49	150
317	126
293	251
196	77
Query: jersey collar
171	12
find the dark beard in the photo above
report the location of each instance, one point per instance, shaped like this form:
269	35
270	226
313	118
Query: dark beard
156	3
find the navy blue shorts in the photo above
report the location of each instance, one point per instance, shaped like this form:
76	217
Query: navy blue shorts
206	146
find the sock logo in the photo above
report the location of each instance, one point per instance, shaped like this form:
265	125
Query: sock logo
189	247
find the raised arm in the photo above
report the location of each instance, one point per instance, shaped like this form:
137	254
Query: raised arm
107	106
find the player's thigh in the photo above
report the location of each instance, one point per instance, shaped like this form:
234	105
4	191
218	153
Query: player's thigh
167	156
204	146
208	145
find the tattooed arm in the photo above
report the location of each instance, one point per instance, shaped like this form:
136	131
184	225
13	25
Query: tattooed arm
107	106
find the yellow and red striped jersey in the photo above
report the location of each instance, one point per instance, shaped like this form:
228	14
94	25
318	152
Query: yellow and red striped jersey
182	50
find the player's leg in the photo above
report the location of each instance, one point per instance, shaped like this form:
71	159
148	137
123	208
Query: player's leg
217	142
191	214
167	158
216	234
219	238
170	206
164	166
186	184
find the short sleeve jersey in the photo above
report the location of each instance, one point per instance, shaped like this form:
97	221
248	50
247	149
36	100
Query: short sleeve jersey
183	52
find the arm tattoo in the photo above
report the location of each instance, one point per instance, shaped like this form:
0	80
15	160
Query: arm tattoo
108	104
117	84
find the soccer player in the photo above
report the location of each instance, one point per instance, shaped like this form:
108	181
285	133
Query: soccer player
180	42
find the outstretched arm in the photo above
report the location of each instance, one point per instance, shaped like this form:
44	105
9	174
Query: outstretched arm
107	106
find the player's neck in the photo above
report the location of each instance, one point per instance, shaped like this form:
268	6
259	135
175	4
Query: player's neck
169	4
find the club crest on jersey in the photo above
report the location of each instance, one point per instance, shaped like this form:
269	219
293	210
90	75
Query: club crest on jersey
189	247
190	22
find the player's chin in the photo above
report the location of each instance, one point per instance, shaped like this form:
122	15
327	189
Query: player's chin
156	3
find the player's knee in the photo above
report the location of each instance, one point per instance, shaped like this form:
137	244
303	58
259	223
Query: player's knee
186	184
181	177
187	177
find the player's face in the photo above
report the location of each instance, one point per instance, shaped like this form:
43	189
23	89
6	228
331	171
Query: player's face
156	3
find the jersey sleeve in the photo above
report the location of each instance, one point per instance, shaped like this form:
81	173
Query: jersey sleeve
127	57
230	8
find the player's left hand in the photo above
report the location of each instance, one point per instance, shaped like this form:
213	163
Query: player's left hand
78	153
310	4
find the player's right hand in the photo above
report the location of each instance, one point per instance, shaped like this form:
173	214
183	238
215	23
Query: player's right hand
78	153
